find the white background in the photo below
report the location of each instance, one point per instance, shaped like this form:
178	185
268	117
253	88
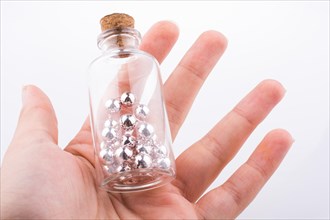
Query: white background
50	44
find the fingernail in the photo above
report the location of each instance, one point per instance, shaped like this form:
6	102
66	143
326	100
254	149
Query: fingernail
174	22
24	94
284	88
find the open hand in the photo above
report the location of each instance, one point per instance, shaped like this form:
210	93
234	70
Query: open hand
40	180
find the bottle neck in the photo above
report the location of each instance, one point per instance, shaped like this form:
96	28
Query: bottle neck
119	39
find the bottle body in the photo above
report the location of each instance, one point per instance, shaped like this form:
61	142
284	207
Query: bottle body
130	128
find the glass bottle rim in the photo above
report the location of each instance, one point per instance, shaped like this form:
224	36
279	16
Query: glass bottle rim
118	31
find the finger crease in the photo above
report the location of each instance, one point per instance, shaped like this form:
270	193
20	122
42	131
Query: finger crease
241	113
214	147
194	71
233	192
257	168
174	113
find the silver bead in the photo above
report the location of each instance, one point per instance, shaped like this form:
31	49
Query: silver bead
104	145
107	156
110	123
113	105
128	122
123	154
151	140
123	167
128	140
164	163
160	150
114	144
109	133
141	111
110	168
154	138
144	149
143	161
146	130
127	99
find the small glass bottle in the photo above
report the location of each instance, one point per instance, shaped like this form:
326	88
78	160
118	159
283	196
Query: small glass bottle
130	128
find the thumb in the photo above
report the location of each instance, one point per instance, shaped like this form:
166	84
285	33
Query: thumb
37	121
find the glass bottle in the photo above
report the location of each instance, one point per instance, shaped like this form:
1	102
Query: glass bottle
130	128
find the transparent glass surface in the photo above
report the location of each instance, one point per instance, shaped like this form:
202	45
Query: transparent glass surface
128	118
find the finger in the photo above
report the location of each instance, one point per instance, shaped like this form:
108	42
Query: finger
184	83
160	39
37	121
230	199
209	156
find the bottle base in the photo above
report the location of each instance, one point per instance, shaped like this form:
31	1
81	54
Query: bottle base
137	180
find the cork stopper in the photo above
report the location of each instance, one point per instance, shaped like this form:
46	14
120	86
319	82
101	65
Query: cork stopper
117	21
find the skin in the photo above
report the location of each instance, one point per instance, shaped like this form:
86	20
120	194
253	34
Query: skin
40	180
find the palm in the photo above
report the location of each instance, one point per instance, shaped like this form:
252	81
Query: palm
70	179
47	182
82	198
